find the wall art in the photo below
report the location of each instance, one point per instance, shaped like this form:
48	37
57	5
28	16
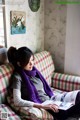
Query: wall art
18	22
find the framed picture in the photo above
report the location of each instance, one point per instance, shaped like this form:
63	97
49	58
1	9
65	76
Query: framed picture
18	22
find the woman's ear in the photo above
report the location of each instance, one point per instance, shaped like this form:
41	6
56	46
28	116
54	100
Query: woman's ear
18	63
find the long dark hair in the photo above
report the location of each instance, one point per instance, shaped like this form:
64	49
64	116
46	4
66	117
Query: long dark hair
21	55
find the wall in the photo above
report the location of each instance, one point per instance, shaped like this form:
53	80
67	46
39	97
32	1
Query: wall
62	36
34	37
72	49
55	32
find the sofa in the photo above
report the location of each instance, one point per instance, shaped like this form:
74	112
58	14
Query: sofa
58	81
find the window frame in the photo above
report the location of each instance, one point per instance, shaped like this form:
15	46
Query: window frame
2	5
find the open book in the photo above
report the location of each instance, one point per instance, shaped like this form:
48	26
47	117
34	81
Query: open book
64	100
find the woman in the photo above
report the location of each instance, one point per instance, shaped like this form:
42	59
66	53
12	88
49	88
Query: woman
29	87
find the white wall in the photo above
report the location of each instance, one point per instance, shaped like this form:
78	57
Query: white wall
72	48
34	36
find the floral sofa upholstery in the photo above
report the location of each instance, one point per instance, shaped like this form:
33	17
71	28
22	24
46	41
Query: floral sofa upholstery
59	83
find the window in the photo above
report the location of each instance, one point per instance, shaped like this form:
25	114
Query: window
2	24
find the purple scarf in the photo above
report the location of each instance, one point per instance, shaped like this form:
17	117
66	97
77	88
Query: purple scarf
32	92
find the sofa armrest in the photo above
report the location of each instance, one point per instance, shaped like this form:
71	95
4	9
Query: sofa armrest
65	82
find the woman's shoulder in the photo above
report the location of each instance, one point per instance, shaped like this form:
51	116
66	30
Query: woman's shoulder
16	75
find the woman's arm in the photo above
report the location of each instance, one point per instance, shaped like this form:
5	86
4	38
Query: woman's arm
16	86
18	101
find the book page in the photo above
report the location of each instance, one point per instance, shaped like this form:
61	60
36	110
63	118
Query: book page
67	96
65	105
71	96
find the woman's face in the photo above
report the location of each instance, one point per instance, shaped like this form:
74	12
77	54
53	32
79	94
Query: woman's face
30	64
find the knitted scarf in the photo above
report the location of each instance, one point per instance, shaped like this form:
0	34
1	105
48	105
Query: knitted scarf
32	94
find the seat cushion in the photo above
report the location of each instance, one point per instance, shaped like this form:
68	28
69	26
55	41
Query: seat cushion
7	113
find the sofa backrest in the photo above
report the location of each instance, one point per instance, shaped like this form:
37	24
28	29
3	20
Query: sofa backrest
5	74
43	62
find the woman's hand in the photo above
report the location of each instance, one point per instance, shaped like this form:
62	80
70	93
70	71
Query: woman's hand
52	107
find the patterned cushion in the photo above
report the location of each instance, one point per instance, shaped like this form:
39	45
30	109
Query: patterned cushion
30	113
5	73
65	82
44	63
7	114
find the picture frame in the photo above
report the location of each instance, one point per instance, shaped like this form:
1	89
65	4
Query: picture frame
18	22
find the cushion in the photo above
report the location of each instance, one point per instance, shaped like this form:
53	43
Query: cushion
65	82
30	113
44	63
5	74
